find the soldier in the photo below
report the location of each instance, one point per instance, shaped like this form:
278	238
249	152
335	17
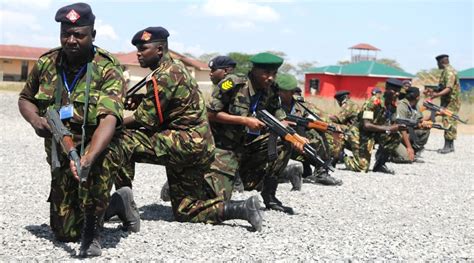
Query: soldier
240	135
347	116
66	79
406	84
169	127
372	127
413	140
287	90
450	94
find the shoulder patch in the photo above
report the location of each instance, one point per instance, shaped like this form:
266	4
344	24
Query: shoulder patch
226	84
368	115
377	102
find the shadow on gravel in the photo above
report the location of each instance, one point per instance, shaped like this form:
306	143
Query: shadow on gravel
43	231
154	212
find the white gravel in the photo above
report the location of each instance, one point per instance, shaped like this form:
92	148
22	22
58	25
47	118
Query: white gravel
424	212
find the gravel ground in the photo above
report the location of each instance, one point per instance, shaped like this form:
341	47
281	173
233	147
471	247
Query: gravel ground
424	212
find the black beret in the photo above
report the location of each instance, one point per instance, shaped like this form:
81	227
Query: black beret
393	84
441	56
78	14
340	94
376	90
150	34
222	62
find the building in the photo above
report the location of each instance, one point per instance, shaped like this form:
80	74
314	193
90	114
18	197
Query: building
359	78
17	61
466	79
363	52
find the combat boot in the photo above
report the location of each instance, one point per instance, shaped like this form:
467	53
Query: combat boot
123	205
293	172
246	209
270	184
90	239
448	147
165	192
238	184
321	176
382	157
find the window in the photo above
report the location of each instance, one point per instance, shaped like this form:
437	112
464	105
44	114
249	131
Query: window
314	86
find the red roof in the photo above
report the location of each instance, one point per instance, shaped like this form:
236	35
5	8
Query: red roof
15	51
130	58
365	47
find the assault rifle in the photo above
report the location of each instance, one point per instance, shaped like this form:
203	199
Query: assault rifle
416	124
313	124
63	136
441	110
290	135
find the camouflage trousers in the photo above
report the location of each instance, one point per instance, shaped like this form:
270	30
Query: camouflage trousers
69	201
450	123
362	143
192	199
251	162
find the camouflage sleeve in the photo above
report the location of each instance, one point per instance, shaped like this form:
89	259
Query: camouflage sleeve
343	115
111	93
368	109
403	111
32	84
450	79
219	101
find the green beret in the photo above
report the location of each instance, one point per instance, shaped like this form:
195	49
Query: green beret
266	60
286	82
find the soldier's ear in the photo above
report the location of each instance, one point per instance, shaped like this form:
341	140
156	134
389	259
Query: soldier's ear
93	35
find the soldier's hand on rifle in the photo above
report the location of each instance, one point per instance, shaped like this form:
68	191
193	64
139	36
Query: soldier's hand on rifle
133	101
299	145
254	123
396	127
86	163
41	127
426	124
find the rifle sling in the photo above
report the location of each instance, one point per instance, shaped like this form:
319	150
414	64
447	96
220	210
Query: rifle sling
86	106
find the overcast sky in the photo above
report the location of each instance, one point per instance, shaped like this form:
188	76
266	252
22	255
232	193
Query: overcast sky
411	32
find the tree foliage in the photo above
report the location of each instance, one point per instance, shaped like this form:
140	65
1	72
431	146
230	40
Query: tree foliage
390	62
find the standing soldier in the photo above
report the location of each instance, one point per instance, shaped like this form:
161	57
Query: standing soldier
287	89
236	130
373	126
169	127
450	93
84	83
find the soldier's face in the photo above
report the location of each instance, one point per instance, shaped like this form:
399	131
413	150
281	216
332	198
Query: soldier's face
286	96
216	75
149	55
76	41
264	77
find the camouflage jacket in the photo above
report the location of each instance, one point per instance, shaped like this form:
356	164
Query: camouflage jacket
106	89
373	110
238	95
348	113
298	110
182	108
449	79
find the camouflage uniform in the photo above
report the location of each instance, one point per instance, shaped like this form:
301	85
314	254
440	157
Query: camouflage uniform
362	142
346	118
450	101
239	151
418	137
180	139
68	202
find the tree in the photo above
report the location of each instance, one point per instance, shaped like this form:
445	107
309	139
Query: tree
429	77
343	62
302	67
189	55
208	56
243	62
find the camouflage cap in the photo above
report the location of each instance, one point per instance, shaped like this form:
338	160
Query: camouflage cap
266	60
78	14
286	82
150	34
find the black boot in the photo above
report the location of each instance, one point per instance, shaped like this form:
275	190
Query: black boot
90	239
270	184
448	147
307	171
382	157
165	192
123	205
247	210
294	172
238	184
321	176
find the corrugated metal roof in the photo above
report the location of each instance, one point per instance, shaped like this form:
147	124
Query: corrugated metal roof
363	68
466	74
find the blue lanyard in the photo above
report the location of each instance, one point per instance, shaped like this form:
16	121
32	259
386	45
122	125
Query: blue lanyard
292	109
253	106
73	84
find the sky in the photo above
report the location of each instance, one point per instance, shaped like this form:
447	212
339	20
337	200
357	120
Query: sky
410	32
